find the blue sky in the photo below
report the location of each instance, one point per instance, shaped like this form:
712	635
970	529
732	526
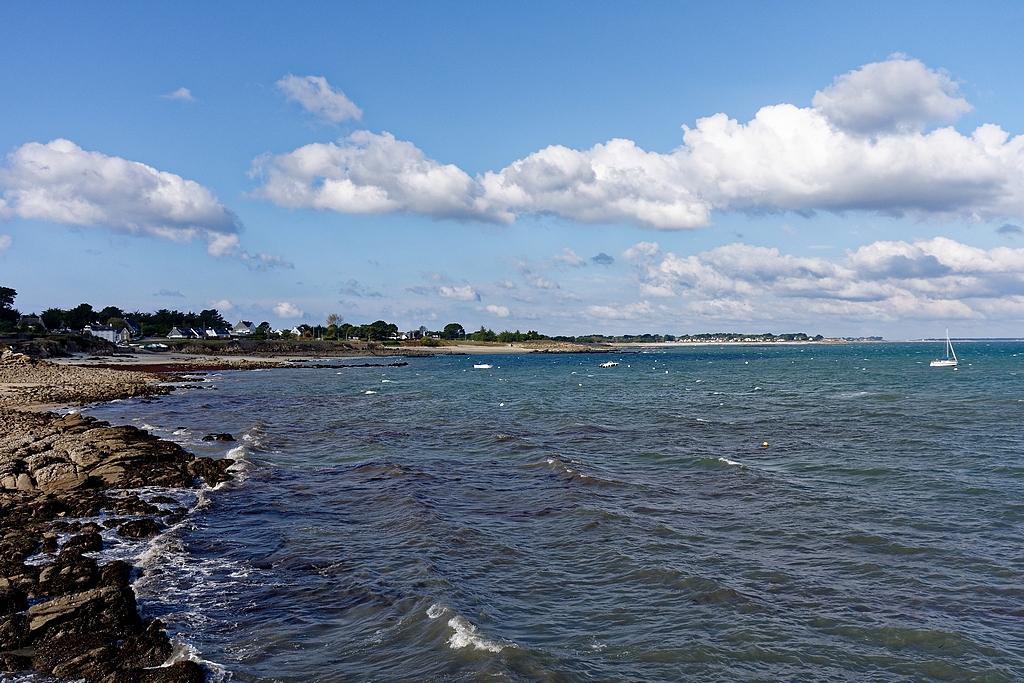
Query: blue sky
430	163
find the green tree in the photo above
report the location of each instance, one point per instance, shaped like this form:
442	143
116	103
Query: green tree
80	316
8	313
484	335
117	323
334	319
53	318
453	331
211	318
110	312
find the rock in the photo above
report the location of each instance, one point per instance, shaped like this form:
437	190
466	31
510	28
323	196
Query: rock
13	662
218	437
139	528
61	476
163	500
211	471
152	647
61	648
12	600
84	543
14	631
25	483
102	609
69	573
117	573
92	665
49	543
179	672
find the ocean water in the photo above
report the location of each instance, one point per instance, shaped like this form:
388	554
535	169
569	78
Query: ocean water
550	520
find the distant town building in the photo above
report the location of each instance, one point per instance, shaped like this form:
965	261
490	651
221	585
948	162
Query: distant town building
114	335
244	328
182	333
32	321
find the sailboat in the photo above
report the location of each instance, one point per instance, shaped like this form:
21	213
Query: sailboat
950	360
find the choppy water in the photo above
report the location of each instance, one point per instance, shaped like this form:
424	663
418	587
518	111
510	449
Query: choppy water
548	520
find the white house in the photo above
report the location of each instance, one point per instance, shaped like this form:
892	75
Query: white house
182	333
112	335
244	328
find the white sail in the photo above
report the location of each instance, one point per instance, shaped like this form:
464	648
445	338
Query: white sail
950	360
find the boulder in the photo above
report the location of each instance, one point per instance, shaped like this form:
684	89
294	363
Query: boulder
218	437
61	648
109	609
152	647
60	476
139	528
14	631
211	471
12	600
84	543
69	573
89	666
117	573
13	662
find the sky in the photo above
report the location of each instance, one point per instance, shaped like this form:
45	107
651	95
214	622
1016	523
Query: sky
846	169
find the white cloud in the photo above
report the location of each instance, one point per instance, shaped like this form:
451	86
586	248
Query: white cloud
5	243
169	292
634	311
887	281
500	311
317	97
61	182
223	305
463	293
372	174
183	94
897	95
288	310
787	158
569	258
505	283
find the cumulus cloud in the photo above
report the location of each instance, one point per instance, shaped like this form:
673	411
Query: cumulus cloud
459	293
602	259
1010	230
62	183
373	174
182	94
353	288
863	146
222	305
500	311
317	97
897	95
569	257
888	281
169	292
288	310
5	243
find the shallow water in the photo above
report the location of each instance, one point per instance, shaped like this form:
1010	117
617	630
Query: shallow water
549	520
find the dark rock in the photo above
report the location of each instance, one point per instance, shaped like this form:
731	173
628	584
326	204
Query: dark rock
62	647
117	573
109	609
13	631
92	665
114	521
139	528
218	437
152	647
133	505
179	672
49	543
69	573
163	500
13	662
92	527
66	527
84	543
12	600
211	471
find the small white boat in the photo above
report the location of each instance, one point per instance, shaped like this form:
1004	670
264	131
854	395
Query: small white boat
950	360
482	366
608	364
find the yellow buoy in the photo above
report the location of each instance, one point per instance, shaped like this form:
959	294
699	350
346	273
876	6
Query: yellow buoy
764	445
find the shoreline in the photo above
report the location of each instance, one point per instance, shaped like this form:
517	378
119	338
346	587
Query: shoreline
68	616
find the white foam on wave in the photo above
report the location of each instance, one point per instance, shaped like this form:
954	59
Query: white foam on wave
184	652
727	461
436	610
370	392
466	634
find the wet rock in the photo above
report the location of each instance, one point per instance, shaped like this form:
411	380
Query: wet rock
218	437
108	609
114	521
14	631
211	471
179	672
12	600
13	662
84	543
92	665
49	543
133	505
152	647
139	528
163	500
71	572
117	573
61	648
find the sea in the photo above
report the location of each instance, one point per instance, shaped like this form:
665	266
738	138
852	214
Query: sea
717	513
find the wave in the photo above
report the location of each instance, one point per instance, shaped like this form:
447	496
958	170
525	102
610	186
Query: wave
465	634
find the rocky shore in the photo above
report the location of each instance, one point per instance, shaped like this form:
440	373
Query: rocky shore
68	616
